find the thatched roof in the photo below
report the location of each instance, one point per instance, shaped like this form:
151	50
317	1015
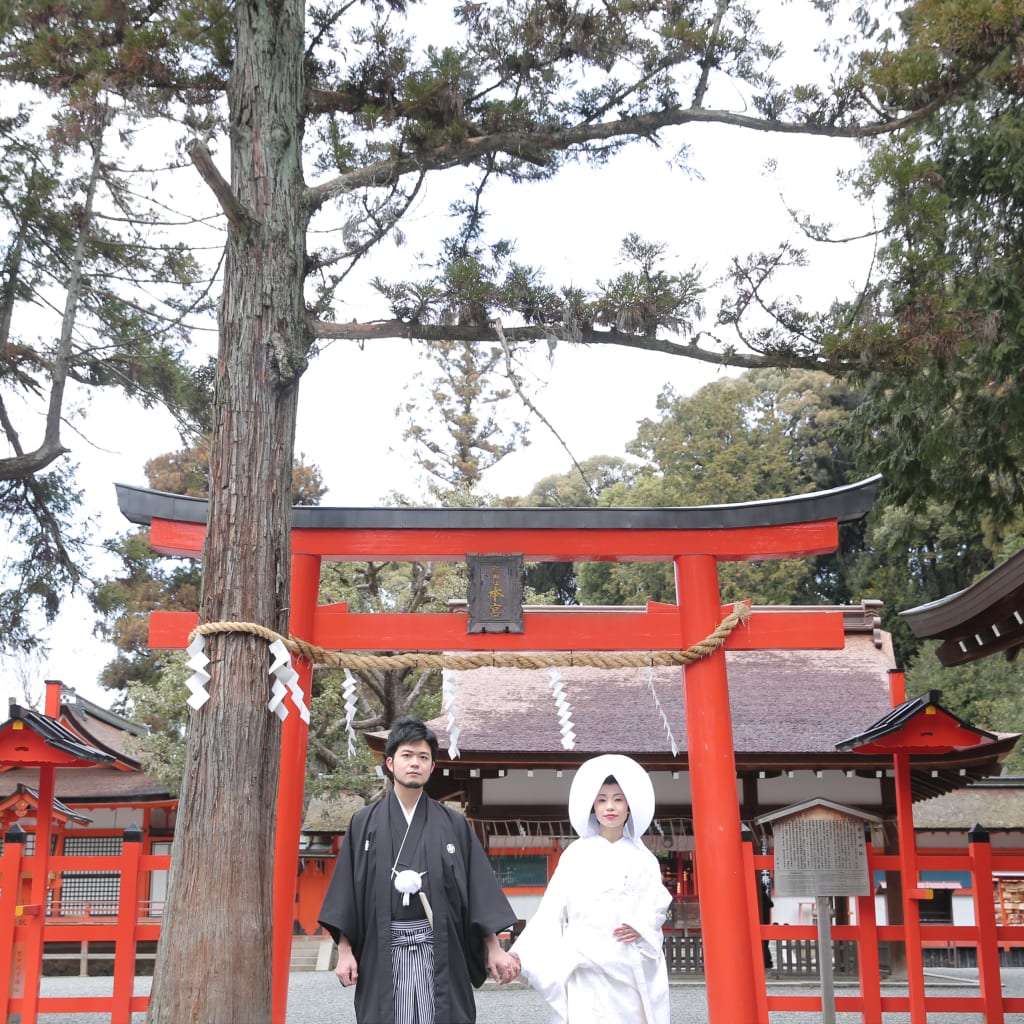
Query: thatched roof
996	804
783	703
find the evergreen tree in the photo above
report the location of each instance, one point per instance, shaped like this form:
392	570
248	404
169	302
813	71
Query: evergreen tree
89	298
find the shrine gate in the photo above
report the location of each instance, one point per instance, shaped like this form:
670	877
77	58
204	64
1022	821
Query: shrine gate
694	539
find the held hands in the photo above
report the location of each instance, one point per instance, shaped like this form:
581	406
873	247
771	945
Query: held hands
626	933
501	966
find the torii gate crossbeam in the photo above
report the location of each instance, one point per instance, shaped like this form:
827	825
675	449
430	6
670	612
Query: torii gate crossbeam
694	539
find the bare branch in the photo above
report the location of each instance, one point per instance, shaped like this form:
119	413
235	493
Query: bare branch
524	398
235	212
707	58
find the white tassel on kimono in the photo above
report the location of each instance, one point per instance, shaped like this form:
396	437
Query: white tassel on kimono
408	883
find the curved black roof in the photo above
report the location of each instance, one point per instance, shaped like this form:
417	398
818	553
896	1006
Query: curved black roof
844	504
56	735
985	618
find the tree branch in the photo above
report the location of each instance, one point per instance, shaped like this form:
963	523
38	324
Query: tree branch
540	146
235	212
707	58
24	465
524	398
586	335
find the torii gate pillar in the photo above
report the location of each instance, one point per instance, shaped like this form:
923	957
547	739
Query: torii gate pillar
729	969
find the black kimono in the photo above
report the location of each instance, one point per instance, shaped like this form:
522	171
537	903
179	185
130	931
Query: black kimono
459	882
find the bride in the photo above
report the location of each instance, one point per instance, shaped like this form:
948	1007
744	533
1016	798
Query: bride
593	949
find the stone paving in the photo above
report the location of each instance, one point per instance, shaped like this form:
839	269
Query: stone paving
318	998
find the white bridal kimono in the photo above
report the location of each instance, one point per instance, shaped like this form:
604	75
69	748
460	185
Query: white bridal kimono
568	952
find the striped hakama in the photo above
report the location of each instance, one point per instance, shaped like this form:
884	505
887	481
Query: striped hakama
412	969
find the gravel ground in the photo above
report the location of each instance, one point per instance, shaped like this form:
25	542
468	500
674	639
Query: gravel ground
317	998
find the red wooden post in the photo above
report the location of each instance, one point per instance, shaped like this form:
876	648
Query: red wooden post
908	870
12	977
40	866
728	964
125	946
868	967
897	687
291	785
35	917
989	978
754	927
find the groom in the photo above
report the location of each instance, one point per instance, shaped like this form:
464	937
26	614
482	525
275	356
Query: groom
414	904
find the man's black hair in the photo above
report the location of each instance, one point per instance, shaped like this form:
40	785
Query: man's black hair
410	730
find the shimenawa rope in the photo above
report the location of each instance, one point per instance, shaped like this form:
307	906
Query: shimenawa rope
488	659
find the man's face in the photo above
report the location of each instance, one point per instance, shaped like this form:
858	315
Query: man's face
412	764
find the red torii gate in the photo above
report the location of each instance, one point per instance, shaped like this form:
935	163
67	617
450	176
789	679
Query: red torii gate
694	539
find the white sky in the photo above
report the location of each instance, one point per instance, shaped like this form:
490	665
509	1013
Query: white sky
572	227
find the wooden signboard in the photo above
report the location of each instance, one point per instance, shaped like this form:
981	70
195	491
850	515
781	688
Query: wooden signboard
821	852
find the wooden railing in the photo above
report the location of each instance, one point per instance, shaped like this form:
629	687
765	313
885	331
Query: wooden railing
684	954
791	958
862	949
26	929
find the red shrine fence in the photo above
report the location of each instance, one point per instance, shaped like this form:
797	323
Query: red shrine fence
129	926
121	919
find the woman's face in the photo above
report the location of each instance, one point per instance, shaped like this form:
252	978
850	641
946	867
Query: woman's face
610	807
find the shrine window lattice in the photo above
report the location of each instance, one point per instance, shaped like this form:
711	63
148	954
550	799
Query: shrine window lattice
29	846
95	893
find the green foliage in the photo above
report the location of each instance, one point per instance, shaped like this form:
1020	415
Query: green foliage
649	299
148	582
88	295
330	771
477	286
161	704
914	557
456	420
582	487
41	562
762	435
940	339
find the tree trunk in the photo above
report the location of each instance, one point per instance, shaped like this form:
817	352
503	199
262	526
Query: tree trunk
214	960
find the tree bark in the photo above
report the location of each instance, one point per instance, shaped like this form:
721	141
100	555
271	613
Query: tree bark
214	961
